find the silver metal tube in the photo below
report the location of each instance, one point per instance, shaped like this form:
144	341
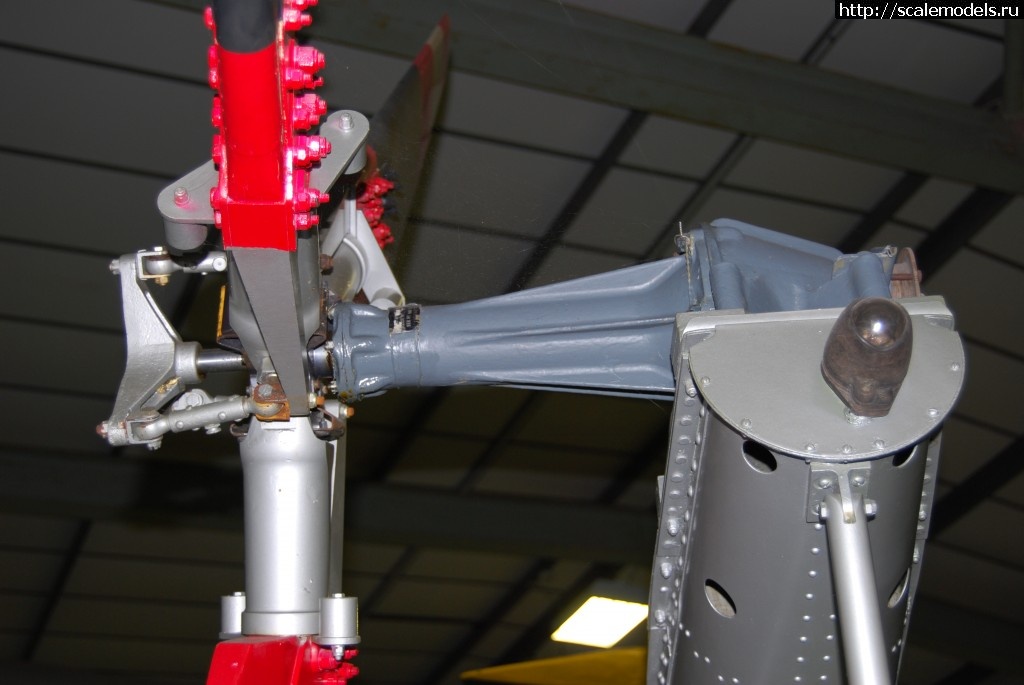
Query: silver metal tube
287	510
213	414
337	524
853	575
216	361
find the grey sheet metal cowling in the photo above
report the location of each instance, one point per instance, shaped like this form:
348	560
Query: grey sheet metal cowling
758	443
742	589
761	448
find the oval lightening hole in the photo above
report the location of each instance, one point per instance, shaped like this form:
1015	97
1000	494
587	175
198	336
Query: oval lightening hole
903	456
759	457
900	591
719	599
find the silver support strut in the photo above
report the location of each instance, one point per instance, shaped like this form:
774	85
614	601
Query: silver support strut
853	575
287	513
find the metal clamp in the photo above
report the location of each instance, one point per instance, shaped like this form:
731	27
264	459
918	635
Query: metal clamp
846	480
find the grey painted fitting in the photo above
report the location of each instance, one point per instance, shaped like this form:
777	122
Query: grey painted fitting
231	608
339	621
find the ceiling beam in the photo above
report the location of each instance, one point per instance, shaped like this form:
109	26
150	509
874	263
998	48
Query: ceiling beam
987	641
958	228
983	483
515	525
884	210
552	47
586	189
176	493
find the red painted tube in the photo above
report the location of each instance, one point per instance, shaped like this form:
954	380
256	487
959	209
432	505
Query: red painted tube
253	128
263	194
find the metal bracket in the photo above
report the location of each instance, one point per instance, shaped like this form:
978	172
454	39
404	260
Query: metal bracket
160	364
346	130
350	233
185	204
187	200
846	480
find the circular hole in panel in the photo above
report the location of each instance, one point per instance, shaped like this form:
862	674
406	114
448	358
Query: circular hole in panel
900	591
759	457
903	456
719	599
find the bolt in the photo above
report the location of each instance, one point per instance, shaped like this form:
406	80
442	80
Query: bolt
311	398
181	196
855	419
870	508
810	447
220	264
878	444
212	428
115	266
264	390
933	413
847	449
746	423
705	381
858	480
345	121
824	483
101	430
161	280
955	366
326	660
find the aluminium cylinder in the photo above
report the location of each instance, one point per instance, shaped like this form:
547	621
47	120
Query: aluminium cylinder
287	514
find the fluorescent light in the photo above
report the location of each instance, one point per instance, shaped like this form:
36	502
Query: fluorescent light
601	622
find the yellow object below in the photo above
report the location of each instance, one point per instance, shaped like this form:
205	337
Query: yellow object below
607	667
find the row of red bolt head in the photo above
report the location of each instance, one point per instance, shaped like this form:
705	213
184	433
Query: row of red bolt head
303	150
371	203
301	221
298	69
303	199
306	111
333	671
300	65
